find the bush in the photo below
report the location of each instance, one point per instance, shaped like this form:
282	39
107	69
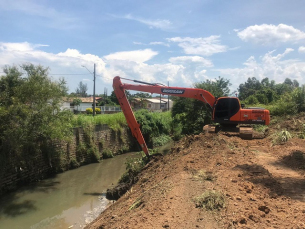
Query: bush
252	100
285	105
98	111
153	124
281	137
161	140
93	154
74	163
89	111
107	153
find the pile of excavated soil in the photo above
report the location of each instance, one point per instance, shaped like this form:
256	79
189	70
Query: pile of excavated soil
263	186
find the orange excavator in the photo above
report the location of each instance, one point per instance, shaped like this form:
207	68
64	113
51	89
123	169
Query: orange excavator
227	111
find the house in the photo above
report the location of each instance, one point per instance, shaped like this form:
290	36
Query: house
87	102
152	104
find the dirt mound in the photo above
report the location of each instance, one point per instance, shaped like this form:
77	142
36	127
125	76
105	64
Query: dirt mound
239	183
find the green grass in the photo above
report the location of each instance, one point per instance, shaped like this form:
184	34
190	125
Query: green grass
114	121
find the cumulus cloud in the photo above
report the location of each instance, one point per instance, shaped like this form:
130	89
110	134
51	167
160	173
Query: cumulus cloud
136	55
273	66
200	46
158	23
125	64
60	64
271	34
191	60
302	49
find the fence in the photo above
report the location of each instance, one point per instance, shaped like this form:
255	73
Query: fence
104	109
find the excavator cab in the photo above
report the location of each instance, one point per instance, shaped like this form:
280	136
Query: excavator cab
225	108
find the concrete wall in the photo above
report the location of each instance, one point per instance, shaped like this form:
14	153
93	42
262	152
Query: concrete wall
65	156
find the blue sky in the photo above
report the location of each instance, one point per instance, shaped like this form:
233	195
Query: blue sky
179	41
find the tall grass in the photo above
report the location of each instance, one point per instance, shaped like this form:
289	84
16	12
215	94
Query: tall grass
114	121
153	124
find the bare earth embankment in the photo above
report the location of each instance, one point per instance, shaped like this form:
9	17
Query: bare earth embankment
263	185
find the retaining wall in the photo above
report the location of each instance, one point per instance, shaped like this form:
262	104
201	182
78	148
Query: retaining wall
61	156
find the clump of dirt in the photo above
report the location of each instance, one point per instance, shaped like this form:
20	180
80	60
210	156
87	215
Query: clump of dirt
262	186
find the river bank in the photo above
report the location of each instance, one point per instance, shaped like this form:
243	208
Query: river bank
218	181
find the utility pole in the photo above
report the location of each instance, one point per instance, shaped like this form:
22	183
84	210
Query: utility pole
94	105
168	97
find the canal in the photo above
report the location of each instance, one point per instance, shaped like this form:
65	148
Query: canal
68	200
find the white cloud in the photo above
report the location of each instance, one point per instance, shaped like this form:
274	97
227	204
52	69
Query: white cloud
61	63
159	43
302	49
125	64
275	67
136	55
271	34
158	23
191	59
138	43
200	46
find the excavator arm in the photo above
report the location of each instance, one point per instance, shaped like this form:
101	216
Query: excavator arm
119	89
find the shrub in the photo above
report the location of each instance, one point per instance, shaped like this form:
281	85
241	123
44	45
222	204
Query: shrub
285	105
89	111
252	100
161	140
74	163
98	111
93	154
107	153
134	166
281	137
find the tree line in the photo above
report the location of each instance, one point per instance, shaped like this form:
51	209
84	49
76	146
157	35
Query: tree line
189	115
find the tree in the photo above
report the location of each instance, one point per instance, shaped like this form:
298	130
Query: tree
249	88
192	114
82	89
114	99
76	102
217	87
30	117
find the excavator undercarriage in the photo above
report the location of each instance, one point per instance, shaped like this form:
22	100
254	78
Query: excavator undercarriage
244	132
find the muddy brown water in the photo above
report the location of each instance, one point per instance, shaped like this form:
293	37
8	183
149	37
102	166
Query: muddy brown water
69	200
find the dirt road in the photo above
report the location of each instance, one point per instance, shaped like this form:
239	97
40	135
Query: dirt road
263	186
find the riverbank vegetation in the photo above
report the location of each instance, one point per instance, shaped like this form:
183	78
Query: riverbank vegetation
31	118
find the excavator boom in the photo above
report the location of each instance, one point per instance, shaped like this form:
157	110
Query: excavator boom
119	89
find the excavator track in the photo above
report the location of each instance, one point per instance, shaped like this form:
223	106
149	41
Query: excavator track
245	132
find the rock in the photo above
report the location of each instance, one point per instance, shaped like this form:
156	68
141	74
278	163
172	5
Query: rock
242	220
264	209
